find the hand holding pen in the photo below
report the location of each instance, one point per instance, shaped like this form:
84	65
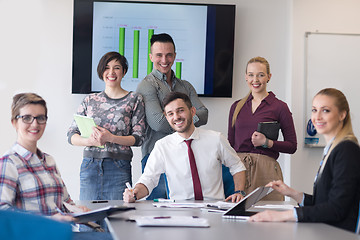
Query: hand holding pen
129	194
63	217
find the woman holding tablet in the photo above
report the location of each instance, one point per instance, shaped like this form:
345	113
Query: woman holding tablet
336	193
120	119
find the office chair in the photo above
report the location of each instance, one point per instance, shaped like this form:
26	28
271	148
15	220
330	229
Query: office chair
16	225
228	181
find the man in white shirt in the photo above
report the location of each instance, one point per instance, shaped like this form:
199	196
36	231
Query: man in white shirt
170	155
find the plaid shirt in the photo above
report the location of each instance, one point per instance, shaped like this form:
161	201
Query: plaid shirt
31	183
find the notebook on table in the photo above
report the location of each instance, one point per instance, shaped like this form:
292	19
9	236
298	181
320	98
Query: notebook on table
240	210
99	214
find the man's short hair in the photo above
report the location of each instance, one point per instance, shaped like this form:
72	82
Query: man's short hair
177	95
162	37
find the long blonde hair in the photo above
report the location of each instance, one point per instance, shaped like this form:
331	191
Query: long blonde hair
241	103
346	132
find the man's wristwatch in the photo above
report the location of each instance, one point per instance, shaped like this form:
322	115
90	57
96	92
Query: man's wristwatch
266	144
241	192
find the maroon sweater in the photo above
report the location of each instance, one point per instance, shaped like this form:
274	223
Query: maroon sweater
270	109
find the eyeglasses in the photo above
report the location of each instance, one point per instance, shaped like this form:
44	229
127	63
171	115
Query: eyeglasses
28	119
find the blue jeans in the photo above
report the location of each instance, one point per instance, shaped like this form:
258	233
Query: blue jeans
104	178
161	190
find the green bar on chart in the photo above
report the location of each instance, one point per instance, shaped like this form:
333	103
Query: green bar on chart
136	54
122	41
178	70
149	62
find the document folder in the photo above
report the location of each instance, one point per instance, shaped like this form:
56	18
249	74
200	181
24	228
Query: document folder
269	129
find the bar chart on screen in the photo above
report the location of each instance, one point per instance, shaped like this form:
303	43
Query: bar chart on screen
117	28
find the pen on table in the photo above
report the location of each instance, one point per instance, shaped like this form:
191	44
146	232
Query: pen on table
216	207
99	201
131	189
162	217
163	200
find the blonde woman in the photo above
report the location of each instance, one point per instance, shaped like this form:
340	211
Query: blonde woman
258	153
336	193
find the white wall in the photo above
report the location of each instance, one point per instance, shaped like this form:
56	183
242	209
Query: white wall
310	16
36	55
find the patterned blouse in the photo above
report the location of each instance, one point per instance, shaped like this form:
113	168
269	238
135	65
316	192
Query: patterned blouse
30	182
122	117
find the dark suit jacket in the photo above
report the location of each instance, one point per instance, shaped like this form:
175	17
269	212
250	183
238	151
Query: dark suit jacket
336	195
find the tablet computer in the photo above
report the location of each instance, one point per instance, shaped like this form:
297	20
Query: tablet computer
99	214
239	211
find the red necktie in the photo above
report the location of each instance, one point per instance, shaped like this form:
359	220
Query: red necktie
194	172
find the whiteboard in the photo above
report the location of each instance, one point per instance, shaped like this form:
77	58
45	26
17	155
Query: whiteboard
332	60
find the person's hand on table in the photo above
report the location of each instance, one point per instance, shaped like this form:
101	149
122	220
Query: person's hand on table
63	218
236	197
273	216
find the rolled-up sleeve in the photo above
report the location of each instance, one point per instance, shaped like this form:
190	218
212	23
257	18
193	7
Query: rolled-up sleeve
201	111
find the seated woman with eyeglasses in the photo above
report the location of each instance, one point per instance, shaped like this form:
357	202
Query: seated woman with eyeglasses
29	178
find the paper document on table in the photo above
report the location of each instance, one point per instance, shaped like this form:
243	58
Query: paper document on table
273	206
171	221
180	205
72	208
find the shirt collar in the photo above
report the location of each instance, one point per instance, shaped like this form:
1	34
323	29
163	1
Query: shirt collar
162	76
327	147
24	153
179	139
269	98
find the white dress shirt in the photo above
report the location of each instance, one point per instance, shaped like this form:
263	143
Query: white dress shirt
170	156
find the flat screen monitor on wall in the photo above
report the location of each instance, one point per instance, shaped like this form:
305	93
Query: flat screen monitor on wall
203	36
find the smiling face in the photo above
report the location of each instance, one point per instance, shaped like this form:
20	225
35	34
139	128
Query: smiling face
326	116
163	56
180	117
29	134
113	74
257	77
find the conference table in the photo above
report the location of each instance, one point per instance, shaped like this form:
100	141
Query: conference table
122	228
